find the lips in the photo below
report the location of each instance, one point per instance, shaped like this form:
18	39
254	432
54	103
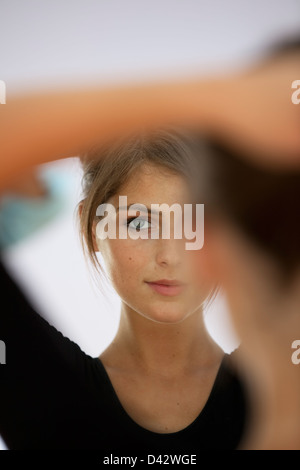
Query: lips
168	282
167	287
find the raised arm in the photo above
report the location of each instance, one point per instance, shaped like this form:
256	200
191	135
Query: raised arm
251	110
39	128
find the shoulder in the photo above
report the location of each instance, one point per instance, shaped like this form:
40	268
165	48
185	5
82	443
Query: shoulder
31	337
232	367
233	379
233	360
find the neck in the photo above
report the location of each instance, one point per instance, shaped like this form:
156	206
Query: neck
161	348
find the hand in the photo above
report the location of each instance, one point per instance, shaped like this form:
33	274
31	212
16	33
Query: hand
257	115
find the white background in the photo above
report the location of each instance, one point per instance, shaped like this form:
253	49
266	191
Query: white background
53	43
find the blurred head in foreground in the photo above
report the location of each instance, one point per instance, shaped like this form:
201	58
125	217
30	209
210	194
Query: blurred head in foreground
253	224
259	210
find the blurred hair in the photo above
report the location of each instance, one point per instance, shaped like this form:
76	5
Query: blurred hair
262	203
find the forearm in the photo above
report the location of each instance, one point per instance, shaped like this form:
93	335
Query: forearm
252	112
40	128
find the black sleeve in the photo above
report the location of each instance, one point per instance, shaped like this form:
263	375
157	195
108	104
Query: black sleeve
43	380
28	337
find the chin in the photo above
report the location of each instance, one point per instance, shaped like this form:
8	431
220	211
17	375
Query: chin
170	317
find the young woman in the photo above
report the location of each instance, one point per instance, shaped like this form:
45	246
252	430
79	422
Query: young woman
163	383
240	110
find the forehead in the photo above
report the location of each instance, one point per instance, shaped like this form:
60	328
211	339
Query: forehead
155	184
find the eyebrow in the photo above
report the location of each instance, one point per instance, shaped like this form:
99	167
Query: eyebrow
142	207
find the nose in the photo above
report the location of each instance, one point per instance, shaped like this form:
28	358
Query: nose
169	252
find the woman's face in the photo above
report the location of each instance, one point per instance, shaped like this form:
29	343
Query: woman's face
135	265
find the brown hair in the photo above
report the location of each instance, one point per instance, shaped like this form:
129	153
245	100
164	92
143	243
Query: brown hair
107	167
262	203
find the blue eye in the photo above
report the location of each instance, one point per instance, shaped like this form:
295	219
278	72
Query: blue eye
137	224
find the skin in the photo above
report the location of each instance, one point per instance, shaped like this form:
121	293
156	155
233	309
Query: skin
257	116
162	362
250	109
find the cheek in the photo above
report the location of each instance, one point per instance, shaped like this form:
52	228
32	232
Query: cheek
125	261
